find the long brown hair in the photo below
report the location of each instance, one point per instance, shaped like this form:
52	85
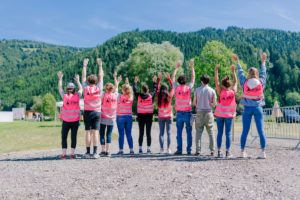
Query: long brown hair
163	96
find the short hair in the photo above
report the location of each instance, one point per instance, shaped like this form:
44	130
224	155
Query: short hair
182	80
92	79
205	79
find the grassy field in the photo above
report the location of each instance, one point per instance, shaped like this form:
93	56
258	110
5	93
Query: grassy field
26	136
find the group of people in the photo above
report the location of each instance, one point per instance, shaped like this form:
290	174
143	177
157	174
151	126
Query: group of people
102	109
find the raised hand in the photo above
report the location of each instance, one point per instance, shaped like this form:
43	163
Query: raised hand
167	75
59	75
232	67
85	62
234	57
192	63
217	67
154	78
159	75
263	57
76	78
99	61
136	79
126	80
119	78
178	64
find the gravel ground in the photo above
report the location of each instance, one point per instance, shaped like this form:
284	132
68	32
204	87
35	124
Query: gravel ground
40	175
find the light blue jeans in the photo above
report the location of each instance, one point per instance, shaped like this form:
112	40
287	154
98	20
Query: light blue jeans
257	112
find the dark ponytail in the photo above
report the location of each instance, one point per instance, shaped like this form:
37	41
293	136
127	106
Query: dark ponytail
163	96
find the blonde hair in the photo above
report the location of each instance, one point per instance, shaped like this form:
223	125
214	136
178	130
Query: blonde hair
127	89
253	73
109	87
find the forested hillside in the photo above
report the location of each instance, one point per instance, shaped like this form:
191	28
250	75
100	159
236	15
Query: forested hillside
29	68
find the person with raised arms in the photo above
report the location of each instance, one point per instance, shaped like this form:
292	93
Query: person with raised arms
108	114
183	106
165	113
92	107
70	114
124	117
145	108
225	108
253	99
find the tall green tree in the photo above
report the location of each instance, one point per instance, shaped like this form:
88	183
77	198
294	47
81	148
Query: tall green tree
49	105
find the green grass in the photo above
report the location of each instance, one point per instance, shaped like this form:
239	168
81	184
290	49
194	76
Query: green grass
26	136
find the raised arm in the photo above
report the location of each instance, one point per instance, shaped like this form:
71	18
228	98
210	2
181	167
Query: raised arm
159	77
192	66
234	86
241	74
85	63
154	85
134	86
77	80
60	89
178	65
117	81
263	69
100	73
167	75
218	88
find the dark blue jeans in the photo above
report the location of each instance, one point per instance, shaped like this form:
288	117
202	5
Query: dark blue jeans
108	133
181	119
257	112
220	124
124	123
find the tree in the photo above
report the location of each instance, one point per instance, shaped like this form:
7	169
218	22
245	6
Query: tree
37	104
292	98
148	59
49	105
213	53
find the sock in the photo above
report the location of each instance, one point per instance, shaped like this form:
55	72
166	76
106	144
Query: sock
95	149
88	150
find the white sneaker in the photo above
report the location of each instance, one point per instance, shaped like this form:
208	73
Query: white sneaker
169	151
262	155
243	154
161	151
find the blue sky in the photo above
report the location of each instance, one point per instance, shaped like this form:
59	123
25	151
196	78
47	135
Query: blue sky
87	23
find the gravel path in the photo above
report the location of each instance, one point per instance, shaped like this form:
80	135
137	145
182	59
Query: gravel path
40	175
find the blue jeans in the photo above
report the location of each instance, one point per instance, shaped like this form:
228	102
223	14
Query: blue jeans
124	123
220	124
164	122
108	133
181	119
257	112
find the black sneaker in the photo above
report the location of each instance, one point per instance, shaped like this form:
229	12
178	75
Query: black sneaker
131	152
120	153
189	153
197	154
178	153
103	153
140	151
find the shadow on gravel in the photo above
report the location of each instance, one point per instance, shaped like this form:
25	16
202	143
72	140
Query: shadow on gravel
31	159
181	158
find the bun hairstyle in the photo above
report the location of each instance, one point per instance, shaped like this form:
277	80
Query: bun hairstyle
226	82
92	79
109	87
182	80
253	73
163	95
127	89
145	88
